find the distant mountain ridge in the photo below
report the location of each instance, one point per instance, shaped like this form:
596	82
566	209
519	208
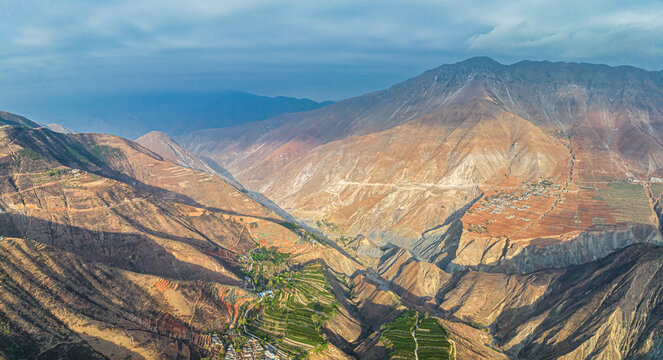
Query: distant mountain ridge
174	113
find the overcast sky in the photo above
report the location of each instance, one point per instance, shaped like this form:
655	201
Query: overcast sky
317	49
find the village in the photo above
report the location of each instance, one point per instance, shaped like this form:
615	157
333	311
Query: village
500	201
234	345
251	350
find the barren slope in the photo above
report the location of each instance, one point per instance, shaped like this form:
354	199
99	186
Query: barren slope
112	201
541	154
606	309
55	305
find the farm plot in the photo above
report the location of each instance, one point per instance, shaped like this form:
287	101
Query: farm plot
411	336
629	200
433	340
292	319
398	335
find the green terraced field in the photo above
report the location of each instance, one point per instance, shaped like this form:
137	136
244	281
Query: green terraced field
303	301
398	335
433	340
431	337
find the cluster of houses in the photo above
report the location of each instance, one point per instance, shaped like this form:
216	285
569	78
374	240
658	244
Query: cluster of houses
499	202
231	353
269	293
252	350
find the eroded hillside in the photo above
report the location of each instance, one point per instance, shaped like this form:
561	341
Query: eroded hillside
525	157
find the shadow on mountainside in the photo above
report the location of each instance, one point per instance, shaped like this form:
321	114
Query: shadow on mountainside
74	151
83	351
130	251
75	290
600	287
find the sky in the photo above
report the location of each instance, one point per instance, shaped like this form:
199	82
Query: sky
321	50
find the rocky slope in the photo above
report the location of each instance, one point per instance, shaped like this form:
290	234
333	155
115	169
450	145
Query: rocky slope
53	305
16	120
523	156
112	201
167	148
605	309
60	128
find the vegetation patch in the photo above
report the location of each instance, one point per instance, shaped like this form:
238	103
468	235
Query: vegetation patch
27	153
51	174
290	225
107	154
263	264
328	224
432	340
657	190
294	309
397	335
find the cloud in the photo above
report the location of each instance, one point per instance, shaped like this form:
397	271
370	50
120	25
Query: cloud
148	44
589	31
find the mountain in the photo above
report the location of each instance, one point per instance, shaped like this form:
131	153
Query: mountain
509	168
59	128
56	305
112	251
478	211
109	200
15	120
85	215
175	113
162	144
605	309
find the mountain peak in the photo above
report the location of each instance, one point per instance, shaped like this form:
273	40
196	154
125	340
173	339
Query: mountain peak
480	61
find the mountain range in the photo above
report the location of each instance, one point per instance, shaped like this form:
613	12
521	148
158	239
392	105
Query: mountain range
476	211
131	115
474	164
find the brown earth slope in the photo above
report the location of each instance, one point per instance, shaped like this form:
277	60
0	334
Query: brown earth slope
610	308
112	201
163	145
541	154
53	304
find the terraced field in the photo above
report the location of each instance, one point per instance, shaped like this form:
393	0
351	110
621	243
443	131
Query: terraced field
398	335
431	338
302	302
629	199
657	189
